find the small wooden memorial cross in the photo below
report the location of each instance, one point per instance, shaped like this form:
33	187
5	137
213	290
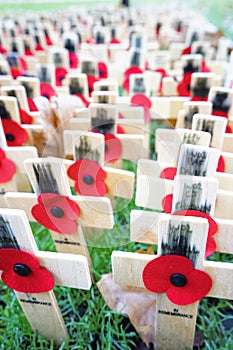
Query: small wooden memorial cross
91	147
48	176
133	142
35	295
176	316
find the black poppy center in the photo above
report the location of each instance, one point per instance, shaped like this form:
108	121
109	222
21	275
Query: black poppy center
22	270
57	212
178	280
9	137
88	179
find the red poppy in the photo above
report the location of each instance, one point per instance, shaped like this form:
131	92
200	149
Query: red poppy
23	273
167	203
198	98
32	105
60	75
16	72
127	73
183	88
115	41
47	90
113	148
221	165
91	80
120	129
144	101
219	113
14	133
7	168
39	48
187	51
56	212
73	58
204	68
25	118
2	50
228	129
23	64
89	178
176	276
48	40
168	173
28	52
103	70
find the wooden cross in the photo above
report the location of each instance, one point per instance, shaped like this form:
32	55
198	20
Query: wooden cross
91	146
49	175
175	324
159	228
168	142
69	270
134	141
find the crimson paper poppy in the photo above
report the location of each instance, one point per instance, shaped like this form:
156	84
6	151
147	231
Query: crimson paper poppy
32	105
56	212
103	70
127	73
47	90
14	133
60	75
145	102
73	58
113	148
25	118
7	168
23	273
183	88
176	276
89	177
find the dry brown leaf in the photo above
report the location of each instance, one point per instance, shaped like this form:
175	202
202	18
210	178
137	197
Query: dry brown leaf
150	251
137	303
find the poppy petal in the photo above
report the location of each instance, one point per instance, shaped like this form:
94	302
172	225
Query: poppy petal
73	58
60	75
25	118
7	170
198	285
167	203
47	90
168	173
9	257
94	184
103	70
221	165
141	100
32	105
15	134
42	212
156	274
113	148
183	90
211	247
